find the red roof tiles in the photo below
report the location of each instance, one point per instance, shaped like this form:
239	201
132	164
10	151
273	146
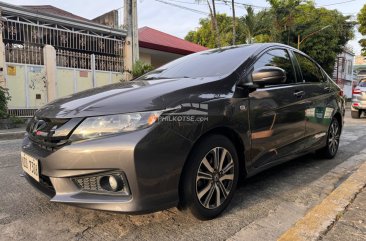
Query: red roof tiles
153	39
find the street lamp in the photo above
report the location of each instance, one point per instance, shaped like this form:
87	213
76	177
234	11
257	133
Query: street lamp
299	40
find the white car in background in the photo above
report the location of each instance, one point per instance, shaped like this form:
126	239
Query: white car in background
359	100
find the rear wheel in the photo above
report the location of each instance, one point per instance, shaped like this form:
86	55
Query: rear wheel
356	114
334	133
210	178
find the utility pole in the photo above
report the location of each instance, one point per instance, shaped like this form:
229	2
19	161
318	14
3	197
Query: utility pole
234	20
131	48
2	51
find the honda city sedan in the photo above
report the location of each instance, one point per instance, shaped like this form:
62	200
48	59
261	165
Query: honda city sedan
184	134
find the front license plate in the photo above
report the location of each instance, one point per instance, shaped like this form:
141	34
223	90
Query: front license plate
30	166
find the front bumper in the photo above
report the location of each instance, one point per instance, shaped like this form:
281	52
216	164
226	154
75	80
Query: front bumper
151	161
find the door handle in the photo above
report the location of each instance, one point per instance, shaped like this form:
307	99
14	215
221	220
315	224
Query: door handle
299	94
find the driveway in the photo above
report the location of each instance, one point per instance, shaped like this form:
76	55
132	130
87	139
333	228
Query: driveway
263	208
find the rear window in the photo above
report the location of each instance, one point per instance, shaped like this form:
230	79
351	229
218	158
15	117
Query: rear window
212	63
310	71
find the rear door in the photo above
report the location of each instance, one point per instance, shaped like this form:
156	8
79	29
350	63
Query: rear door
277	112
318	97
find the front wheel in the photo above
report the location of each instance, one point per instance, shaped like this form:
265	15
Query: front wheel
210	178
333	137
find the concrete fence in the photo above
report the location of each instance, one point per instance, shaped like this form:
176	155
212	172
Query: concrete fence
34	85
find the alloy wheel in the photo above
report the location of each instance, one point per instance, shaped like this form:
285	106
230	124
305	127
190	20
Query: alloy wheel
333	137
215	177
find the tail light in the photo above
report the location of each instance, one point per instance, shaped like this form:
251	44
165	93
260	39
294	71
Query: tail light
356	91
356	104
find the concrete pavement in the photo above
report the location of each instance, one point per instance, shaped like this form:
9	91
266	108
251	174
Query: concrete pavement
351	226
320	220
264	207
10	134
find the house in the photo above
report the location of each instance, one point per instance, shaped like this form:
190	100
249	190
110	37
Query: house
343	71
158	48
360	67
50	53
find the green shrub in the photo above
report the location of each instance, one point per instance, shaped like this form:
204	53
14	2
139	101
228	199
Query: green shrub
140	68
4	98
17	120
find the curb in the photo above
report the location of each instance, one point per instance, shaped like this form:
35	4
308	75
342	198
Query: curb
320	219
12	135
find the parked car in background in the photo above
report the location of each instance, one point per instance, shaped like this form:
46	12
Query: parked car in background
184	134
358	106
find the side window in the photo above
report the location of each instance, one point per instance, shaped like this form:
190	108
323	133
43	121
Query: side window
310	71
277	58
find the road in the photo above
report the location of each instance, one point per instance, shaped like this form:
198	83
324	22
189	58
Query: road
263	208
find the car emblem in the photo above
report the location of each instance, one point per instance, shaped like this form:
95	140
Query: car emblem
39	125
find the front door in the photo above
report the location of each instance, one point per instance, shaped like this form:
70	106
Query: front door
277	113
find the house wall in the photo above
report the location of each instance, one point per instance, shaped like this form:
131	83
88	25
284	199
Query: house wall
157	58
345	65
344	72
145	57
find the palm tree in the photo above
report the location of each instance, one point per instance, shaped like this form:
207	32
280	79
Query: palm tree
250	24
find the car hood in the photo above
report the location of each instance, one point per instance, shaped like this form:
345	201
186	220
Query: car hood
135	96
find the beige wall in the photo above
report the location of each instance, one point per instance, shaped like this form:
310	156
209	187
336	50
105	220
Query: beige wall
157	58
145	57
70	81
360	60
27	85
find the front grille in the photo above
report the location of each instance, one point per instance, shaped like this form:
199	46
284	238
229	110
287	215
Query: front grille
49	145
51	133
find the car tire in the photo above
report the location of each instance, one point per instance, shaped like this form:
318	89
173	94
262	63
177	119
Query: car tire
355	114
333	137
210	177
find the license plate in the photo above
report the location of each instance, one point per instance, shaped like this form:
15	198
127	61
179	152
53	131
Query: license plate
30	166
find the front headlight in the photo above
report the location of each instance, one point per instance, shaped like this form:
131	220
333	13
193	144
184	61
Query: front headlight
93	127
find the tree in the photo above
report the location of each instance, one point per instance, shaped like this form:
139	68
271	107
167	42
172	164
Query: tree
214	24
293	18
283	22
361	17
203	35
309	19
251	24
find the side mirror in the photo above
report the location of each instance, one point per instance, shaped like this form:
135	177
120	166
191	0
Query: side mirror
269	75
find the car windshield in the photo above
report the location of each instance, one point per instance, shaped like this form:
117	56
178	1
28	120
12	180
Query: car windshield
212	63
362	84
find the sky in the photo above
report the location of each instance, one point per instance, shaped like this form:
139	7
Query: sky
178	21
